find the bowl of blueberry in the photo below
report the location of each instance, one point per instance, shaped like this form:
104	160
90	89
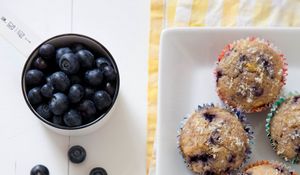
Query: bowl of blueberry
71	83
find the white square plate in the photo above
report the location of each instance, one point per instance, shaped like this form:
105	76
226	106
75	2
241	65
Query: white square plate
187	60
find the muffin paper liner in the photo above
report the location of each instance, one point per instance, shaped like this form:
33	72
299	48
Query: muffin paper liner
270	115
238	114
229	47
266	162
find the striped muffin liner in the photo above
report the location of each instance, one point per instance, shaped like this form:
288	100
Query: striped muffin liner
270	115
238	114
229	47
267	162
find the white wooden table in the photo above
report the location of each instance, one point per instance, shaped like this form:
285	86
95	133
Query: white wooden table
120	146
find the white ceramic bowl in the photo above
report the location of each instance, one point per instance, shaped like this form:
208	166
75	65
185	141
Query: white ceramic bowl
97	49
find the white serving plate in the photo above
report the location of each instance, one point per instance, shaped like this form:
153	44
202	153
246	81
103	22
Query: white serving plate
187	60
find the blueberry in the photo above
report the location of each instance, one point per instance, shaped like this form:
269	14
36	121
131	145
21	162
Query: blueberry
243	58
257	91
87	108
47	51
39	170
86	58
76	92
109	88
43	111
59	103
109	73
102	100
34	77
72	118
102	62
200	157
75	79
94	77
219	74
208	172
76	47
40	63
77	154
48	80
69	63
89	93
47	90
58	120
34	96
89	119
60	81
98	171
209	117
60	52
231	158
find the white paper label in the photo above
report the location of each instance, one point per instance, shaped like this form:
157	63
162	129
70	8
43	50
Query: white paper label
17	33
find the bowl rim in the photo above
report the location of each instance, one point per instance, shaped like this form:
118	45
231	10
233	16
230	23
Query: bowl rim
31	57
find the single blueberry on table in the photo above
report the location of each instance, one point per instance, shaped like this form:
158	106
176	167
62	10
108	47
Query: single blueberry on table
34	96
109	88
86	59
89	93
69	63
44	111
102	62
72	118
77	154
40	63
34	77
39	170
47	90
58	120
61	51
102	100
98	171
60	81
59	103
47	51
94	77
109	73
76	92
87	108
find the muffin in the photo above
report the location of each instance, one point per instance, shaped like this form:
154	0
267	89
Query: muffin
283	128
214	140
267	168
250	74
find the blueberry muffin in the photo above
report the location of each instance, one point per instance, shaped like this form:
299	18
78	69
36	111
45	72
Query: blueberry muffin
250	74
214	140
283	128
267	168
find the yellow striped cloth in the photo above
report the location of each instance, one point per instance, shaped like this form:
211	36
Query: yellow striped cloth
177	13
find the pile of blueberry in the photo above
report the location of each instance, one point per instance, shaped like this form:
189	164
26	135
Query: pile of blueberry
70	86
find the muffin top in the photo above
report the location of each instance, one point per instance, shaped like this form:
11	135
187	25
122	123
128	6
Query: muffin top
267	168
214	141
285	129
250	74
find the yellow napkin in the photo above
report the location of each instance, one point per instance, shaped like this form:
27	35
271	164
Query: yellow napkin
178	13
